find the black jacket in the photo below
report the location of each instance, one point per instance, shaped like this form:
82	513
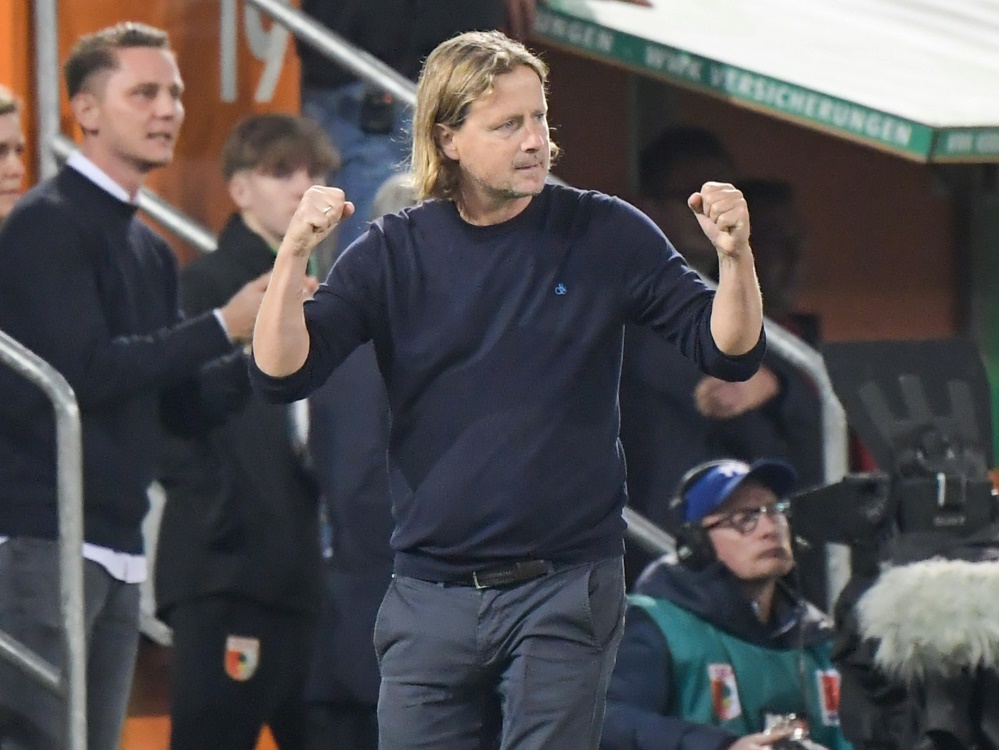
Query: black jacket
400	33
242	513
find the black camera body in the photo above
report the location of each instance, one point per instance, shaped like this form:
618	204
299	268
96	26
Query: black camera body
916	528
921	408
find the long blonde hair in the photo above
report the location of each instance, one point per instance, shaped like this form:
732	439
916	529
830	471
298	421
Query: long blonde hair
456	74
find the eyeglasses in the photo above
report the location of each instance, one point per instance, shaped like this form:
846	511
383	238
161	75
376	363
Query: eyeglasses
744	521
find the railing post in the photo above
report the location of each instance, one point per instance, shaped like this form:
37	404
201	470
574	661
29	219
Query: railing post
46	82
72	679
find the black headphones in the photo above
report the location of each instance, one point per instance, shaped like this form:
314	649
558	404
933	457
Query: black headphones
694	549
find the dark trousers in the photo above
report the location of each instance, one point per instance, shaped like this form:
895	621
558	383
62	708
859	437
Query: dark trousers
522	667
237	665
342	726
30	715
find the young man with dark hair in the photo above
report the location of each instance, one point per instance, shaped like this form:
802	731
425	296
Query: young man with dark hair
93	291
238	562
497	308
718	651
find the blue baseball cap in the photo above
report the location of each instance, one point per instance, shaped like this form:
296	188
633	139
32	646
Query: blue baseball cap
718	483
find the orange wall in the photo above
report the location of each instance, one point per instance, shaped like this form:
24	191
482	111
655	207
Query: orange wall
193	182
880	261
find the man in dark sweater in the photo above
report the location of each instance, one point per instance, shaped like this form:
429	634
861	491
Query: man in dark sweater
93	291
238	562
497	311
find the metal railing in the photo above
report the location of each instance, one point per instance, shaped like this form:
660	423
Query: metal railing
356	60
46	80
71	681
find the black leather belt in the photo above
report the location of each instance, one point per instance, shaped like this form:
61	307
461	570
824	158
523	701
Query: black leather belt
506	574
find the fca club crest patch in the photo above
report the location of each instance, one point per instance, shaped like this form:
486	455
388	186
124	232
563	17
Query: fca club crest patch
828	684
241	657
724	692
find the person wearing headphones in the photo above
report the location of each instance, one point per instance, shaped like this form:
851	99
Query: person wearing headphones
718	650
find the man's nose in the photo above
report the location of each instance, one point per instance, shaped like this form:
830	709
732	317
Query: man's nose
534	136
767	522
168	105
12	166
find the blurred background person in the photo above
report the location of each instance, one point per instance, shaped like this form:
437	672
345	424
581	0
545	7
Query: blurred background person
668	425
717	647
350	420
238	563
671	167
11	151
779	244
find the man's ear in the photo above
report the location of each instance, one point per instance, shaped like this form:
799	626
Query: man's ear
445	141
86	109
239	190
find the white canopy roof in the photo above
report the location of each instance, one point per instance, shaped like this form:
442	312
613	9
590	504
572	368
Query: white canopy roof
916	77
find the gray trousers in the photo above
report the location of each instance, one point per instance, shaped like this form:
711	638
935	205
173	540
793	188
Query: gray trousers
30	715
523	667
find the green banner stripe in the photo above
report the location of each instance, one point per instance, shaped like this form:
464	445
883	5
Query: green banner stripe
752	89
967	144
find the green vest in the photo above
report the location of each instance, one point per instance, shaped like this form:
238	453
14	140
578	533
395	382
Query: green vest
723	681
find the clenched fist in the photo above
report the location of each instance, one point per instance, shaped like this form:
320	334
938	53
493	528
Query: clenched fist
723	215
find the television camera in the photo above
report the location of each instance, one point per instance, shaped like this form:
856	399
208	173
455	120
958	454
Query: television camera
916	646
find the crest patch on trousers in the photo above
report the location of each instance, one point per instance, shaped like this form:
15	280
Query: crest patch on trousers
242	655
828	684
724	692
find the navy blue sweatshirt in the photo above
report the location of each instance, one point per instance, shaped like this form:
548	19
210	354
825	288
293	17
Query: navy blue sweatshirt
500	347
93	291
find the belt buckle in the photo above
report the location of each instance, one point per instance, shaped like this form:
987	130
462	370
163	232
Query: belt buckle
505	575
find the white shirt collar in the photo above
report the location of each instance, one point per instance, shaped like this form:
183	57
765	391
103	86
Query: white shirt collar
99	177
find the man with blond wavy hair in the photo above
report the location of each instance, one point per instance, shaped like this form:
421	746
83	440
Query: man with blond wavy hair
497	308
